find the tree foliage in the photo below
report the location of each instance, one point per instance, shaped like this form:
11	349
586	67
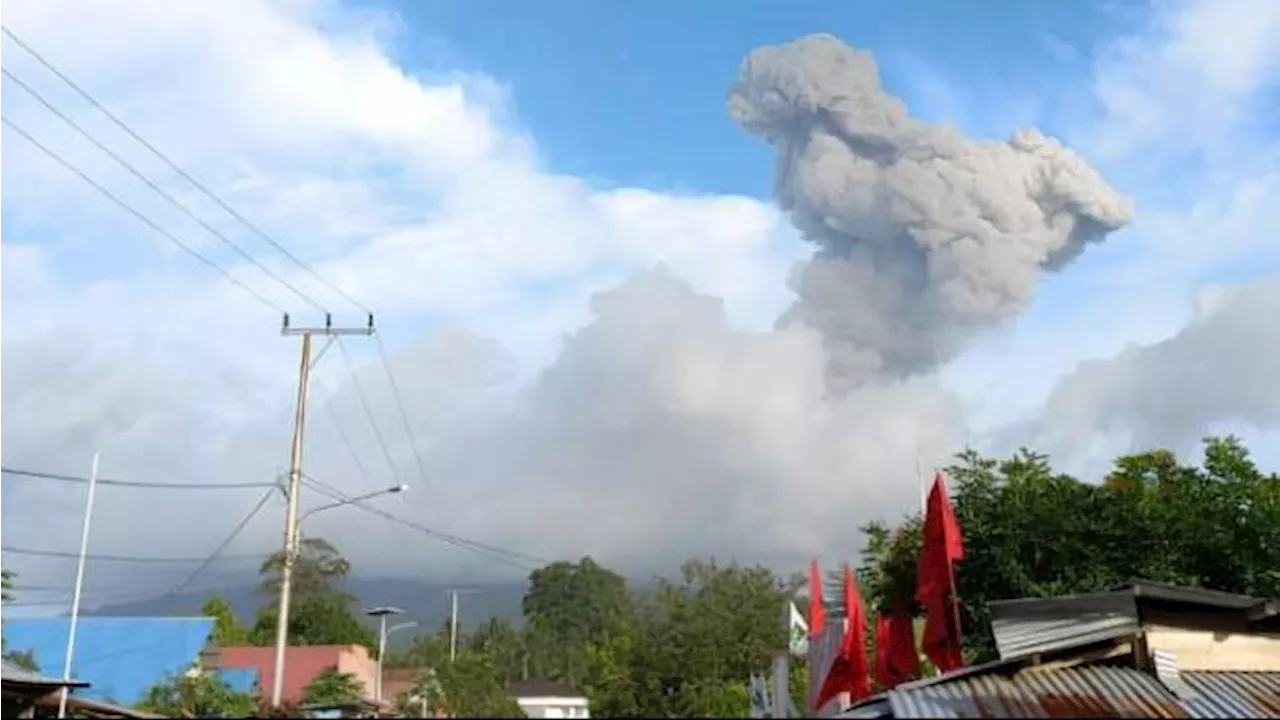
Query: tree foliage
315	621
321	611
1033	532
319	570
332	687
202	695
226	628
25	659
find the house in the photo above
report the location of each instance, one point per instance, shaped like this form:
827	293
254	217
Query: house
1147	650
547	699
120	657
302	664
21	690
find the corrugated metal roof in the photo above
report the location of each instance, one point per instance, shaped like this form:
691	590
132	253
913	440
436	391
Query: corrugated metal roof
15	673
1169	592
1233	694
121	657
1070	692
1036	625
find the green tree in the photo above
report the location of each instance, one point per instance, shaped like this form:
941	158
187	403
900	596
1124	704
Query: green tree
426	692
201	695
704	635
321	613
570	606
22	658
331	687
503	646
226	628
319	570
471	688
315	621
1032	532
424	651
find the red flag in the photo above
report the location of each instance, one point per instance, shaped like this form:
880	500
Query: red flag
896	658
941	547
849	672
817	612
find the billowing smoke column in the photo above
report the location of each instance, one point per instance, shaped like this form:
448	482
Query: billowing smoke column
925	236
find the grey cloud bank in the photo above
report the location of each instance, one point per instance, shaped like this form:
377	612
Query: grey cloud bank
660	431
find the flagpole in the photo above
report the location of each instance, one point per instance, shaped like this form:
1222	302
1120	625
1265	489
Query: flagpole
924	492
79	587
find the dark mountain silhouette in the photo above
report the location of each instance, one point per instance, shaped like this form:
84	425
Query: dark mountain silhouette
426	603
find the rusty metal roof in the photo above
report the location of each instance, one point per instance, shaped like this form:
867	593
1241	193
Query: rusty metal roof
1070	692
1233	694
1096	691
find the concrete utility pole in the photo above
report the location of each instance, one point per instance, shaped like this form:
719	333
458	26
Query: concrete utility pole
295	485
453	619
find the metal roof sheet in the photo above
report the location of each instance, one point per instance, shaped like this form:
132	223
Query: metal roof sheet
122	657
18	674
1233	694
1099	691
1036	625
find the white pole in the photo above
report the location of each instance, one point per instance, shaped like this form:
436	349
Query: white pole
382	651
79	587
453	624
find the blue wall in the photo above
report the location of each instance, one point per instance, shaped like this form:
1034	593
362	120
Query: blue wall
122	657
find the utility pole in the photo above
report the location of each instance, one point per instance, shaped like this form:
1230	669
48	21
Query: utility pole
295	484
453	619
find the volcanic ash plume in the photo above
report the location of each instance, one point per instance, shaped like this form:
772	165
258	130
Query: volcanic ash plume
924	236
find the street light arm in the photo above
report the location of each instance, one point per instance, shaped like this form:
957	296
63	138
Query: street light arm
353	500
402	626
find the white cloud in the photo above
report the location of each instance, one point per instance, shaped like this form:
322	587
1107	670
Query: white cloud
668	423
412	194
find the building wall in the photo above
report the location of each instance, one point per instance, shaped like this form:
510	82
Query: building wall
554	707
1210	650
302	664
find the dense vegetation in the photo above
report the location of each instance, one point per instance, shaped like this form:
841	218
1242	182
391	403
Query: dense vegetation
684	646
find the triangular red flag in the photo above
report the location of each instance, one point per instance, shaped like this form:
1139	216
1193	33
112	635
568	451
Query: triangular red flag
940	548
849	672
896	658
817	611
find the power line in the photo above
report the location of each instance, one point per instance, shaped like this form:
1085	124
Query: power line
174	166
346	439
37	475
139	215
511	557
159	190
239	528
368	412
124	558
404	416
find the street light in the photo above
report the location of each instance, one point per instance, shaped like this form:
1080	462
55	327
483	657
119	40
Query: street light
383	631
286	575
351	501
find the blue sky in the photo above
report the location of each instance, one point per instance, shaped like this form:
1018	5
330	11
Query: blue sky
633	93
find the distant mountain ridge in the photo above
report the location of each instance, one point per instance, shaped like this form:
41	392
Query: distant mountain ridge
427	603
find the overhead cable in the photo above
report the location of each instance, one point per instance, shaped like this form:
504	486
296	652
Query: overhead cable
512	557
69	166
151	485
160	191
183	173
